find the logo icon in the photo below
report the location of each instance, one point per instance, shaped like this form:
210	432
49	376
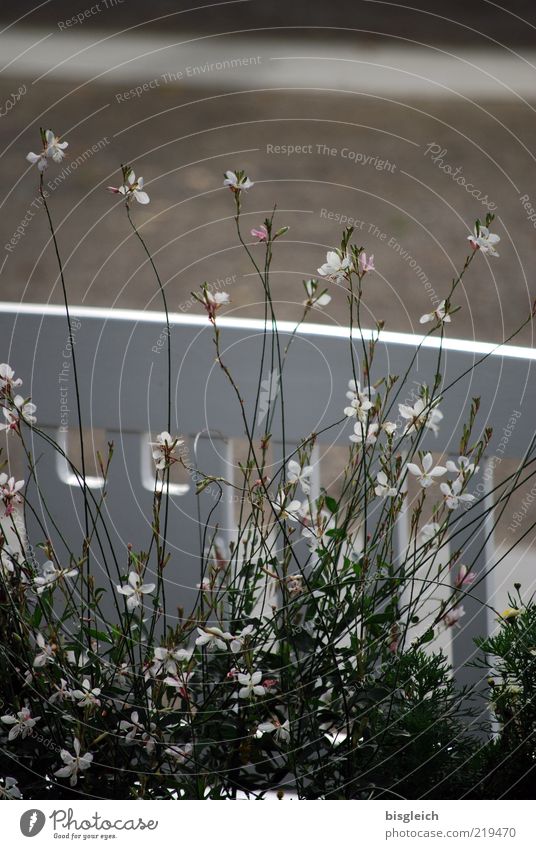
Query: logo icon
32	822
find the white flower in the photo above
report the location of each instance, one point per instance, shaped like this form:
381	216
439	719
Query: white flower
87	696
54	148
83	658
367	435
39	159
453	494
132	187
383	488
432	423
286	510
237	643
452	617
7	561
389	428
314	300
429	533
464	469
21	724
299	474
73	763
439	315
336	267
294	584
360	400
213	302
280	730
180	681
483	240
166	659
9	492
250	684
135	728
317	534
237	181
52	574
213	637
10	788
180	754
7	383
420	415
46	654
217	299
62	692
22	410
164	449
135	590
428	473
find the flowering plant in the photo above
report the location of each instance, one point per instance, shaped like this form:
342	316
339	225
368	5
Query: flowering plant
303	663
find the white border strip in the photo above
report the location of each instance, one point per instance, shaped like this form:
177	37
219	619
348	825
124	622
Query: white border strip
466	346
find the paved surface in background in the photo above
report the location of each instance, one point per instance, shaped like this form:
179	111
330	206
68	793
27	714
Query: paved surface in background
458	22
361	157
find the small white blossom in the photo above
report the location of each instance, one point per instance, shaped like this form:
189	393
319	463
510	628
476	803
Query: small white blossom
164	449
316	532
135	730
336	266
213	302
131	188
238	642
9	788
280	730
54	147
464	469
389	428
213	637
383	488
299	474
314	300
452	617
51	575
483	240
428	473
368	436
61	692
454	495
47	653
9	492
250	685
87	696
285	509
360	400
39	159
73	763
181	754
420	415
21	724
429	533
7	379
166	659
237	181
439	315
135	590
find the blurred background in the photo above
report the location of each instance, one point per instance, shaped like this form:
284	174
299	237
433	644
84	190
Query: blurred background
410	122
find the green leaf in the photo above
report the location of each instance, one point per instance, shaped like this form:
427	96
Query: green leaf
331	504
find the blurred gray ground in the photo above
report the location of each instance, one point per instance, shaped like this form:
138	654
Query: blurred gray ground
427	21
412	214
361	135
